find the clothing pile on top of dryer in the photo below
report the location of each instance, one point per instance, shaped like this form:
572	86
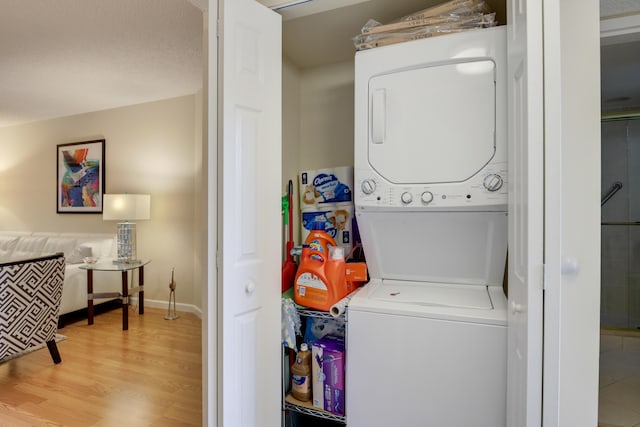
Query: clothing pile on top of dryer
450	17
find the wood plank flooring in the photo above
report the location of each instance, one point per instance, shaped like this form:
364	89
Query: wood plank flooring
149	375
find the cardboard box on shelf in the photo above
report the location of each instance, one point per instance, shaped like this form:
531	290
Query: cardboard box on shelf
338	224
327	371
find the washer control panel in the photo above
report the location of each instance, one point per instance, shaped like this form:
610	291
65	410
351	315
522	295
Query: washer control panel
488	187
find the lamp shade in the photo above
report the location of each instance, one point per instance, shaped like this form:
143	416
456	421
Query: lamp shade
126	207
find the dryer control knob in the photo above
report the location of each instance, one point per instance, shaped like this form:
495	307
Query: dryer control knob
406	198
368	186
427	197
492	182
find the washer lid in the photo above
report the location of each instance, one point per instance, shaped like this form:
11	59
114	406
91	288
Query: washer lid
434	123
433	294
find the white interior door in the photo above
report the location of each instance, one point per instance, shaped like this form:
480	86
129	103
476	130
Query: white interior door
525	99
249	193
572	212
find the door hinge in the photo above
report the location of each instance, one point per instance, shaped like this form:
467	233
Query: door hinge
218	28
544	277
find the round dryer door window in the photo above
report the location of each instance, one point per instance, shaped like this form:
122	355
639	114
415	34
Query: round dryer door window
434	124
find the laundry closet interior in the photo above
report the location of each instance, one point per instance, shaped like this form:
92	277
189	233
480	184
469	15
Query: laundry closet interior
318	78
318	89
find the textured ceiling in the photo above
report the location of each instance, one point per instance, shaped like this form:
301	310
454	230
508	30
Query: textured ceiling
65	57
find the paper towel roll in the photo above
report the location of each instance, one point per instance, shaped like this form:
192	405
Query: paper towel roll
340	307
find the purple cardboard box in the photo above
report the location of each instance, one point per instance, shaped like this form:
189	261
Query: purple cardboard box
332	363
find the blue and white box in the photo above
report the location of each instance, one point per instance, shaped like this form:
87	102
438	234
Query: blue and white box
338	223
326	186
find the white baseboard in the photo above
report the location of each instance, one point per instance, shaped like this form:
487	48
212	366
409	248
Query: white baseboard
188	308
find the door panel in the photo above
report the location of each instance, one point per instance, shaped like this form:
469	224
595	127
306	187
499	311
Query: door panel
525	109
249	170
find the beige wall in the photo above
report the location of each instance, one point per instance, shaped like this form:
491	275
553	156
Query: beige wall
150	148
317	122
291	134
326	116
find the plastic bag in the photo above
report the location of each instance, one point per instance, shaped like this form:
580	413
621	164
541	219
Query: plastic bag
445	18
378	39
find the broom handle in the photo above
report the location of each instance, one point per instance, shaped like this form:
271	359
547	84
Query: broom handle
290	242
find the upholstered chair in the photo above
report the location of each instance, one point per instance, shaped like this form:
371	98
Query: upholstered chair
30	293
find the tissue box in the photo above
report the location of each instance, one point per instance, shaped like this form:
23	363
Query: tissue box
326	186
337	223
327	372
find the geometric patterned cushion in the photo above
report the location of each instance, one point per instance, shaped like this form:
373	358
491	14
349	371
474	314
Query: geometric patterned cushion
30	293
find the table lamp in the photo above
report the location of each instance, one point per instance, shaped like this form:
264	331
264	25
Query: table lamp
126	207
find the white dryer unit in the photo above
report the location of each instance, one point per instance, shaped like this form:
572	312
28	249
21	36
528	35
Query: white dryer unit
427	335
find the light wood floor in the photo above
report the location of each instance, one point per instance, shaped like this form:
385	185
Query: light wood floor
149	375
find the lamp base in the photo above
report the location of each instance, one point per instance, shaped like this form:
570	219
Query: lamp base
171	316
126	243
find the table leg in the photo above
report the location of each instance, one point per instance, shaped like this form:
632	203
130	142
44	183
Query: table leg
141	293
90	296
125	301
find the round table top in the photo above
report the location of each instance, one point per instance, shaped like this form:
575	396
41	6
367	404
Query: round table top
110	265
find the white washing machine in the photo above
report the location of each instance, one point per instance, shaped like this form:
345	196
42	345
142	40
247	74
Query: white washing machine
427	336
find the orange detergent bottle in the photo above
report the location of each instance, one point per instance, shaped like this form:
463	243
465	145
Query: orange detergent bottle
321	280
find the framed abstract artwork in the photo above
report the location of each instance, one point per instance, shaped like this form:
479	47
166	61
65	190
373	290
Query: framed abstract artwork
80	177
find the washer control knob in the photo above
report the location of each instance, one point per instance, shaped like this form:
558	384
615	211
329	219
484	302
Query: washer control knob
368	186
427	197
406	198
492	182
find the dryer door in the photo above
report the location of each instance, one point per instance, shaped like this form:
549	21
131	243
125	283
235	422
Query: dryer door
434	124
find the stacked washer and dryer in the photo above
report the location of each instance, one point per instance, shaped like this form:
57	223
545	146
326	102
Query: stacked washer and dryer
427	335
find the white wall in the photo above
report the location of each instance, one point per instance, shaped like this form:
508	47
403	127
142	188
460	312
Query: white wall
150	148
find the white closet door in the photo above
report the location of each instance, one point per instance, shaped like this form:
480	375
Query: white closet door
526	126
249	194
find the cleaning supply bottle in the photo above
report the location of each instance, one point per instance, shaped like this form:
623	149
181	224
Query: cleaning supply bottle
320	281
318	240
301	374
336	272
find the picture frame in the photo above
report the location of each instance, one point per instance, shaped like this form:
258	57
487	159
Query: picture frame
80	176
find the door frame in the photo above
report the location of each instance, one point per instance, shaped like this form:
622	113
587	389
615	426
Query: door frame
209	266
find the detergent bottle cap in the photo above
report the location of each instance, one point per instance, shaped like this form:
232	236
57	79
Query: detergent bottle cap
317	225
336	252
